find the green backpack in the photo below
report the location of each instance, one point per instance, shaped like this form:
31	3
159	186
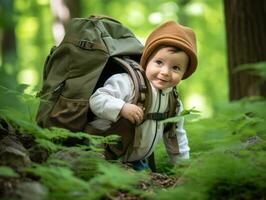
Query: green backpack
92	50
92	47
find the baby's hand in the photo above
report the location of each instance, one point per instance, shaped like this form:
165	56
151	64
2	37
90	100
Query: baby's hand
132	112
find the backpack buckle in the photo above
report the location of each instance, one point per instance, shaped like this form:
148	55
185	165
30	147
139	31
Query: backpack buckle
85	44
157	116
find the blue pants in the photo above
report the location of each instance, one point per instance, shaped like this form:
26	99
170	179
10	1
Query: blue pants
139	165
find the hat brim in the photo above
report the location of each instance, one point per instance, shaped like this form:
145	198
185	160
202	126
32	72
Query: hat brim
169	41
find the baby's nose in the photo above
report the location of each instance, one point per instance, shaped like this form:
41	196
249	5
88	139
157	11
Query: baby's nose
165	70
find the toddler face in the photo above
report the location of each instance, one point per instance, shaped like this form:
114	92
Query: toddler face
166	68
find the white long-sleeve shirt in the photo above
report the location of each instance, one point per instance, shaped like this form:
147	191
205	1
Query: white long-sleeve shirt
107	102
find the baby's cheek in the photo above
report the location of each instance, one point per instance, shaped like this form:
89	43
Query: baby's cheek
177	79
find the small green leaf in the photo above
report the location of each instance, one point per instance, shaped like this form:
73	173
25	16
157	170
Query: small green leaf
188	114
7	172
258	68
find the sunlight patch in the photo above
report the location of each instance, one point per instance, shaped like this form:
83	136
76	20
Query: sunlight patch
28	76
155	18
169	10
28	29
135	17
43	2
199	102
195	9
135	12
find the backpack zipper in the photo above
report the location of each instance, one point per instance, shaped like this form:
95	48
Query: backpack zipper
57	88
156	127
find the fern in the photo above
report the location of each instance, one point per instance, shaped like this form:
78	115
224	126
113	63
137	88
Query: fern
225	161
50	138
258	68
63	184
224	157
221	176
190	114
6	171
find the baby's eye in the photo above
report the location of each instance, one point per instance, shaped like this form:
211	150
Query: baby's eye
159	62
176	68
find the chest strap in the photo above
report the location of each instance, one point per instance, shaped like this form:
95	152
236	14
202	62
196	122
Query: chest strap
157	116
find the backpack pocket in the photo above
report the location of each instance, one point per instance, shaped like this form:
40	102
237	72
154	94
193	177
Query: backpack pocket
70	113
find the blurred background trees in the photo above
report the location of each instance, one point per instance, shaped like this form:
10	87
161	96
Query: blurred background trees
8	48
246	29
63	11
28	29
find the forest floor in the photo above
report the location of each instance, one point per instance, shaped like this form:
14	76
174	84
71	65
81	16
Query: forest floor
18	151
157	181
9	187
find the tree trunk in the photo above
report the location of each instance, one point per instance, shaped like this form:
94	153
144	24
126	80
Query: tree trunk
8	40
63	11
246	43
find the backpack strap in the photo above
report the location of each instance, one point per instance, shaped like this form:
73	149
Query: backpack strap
174	104
174	107
141	85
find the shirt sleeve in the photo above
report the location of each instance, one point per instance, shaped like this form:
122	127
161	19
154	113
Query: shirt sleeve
182	149
107	101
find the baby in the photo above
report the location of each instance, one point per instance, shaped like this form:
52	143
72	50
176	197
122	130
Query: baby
169	56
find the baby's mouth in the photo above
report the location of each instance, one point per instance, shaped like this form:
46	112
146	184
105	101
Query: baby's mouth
162	80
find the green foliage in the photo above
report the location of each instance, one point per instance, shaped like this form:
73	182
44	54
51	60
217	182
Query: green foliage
60	180
19	109
16	99
7	172
50	139
222	176
107	178
190	114
233	124
71	172
228	155
254	68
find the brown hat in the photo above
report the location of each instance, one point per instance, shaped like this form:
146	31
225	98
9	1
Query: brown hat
172	34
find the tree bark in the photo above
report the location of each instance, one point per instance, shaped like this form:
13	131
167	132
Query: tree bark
246	43
8	40
63	11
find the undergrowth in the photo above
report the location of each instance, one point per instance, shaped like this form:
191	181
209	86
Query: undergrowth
228	157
